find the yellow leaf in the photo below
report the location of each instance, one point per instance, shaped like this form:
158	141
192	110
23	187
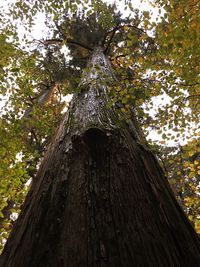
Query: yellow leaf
128	96
191	175
191	153
140	60
126	28
190	217
186	164
197	226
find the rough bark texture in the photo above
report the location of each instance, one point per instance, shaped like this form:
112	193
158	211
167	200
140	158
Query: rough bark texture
100	198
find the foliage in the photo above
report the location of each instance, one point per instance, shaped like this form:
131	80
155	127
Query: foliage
151	60
182	167
177	36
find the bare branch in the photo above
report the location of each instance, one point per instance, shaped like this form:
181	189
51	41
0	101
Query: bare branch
185	84
67	41
112	36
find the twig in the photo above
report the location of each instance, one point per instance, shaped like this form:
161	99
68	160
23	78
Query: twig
60	41
184	84
111	38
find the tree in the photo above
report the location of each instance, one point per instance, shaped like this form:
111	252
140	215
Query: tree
100	196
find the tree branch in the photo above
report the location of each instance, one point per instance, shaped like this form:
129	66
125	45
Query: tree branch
60	41
70	41
191	84
111	38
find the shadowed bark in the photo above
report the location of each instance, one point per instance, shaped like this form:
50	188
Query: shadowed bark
100	197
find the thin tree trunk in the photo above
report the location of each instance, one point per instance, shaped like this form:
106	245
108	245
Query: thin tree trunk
100	198
41	100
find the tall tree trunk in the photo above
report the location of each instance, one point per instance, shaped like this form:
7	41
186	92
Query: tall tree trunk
100	198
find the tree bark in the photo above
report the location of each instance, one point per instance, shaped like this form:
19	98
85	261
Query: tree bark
100	197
